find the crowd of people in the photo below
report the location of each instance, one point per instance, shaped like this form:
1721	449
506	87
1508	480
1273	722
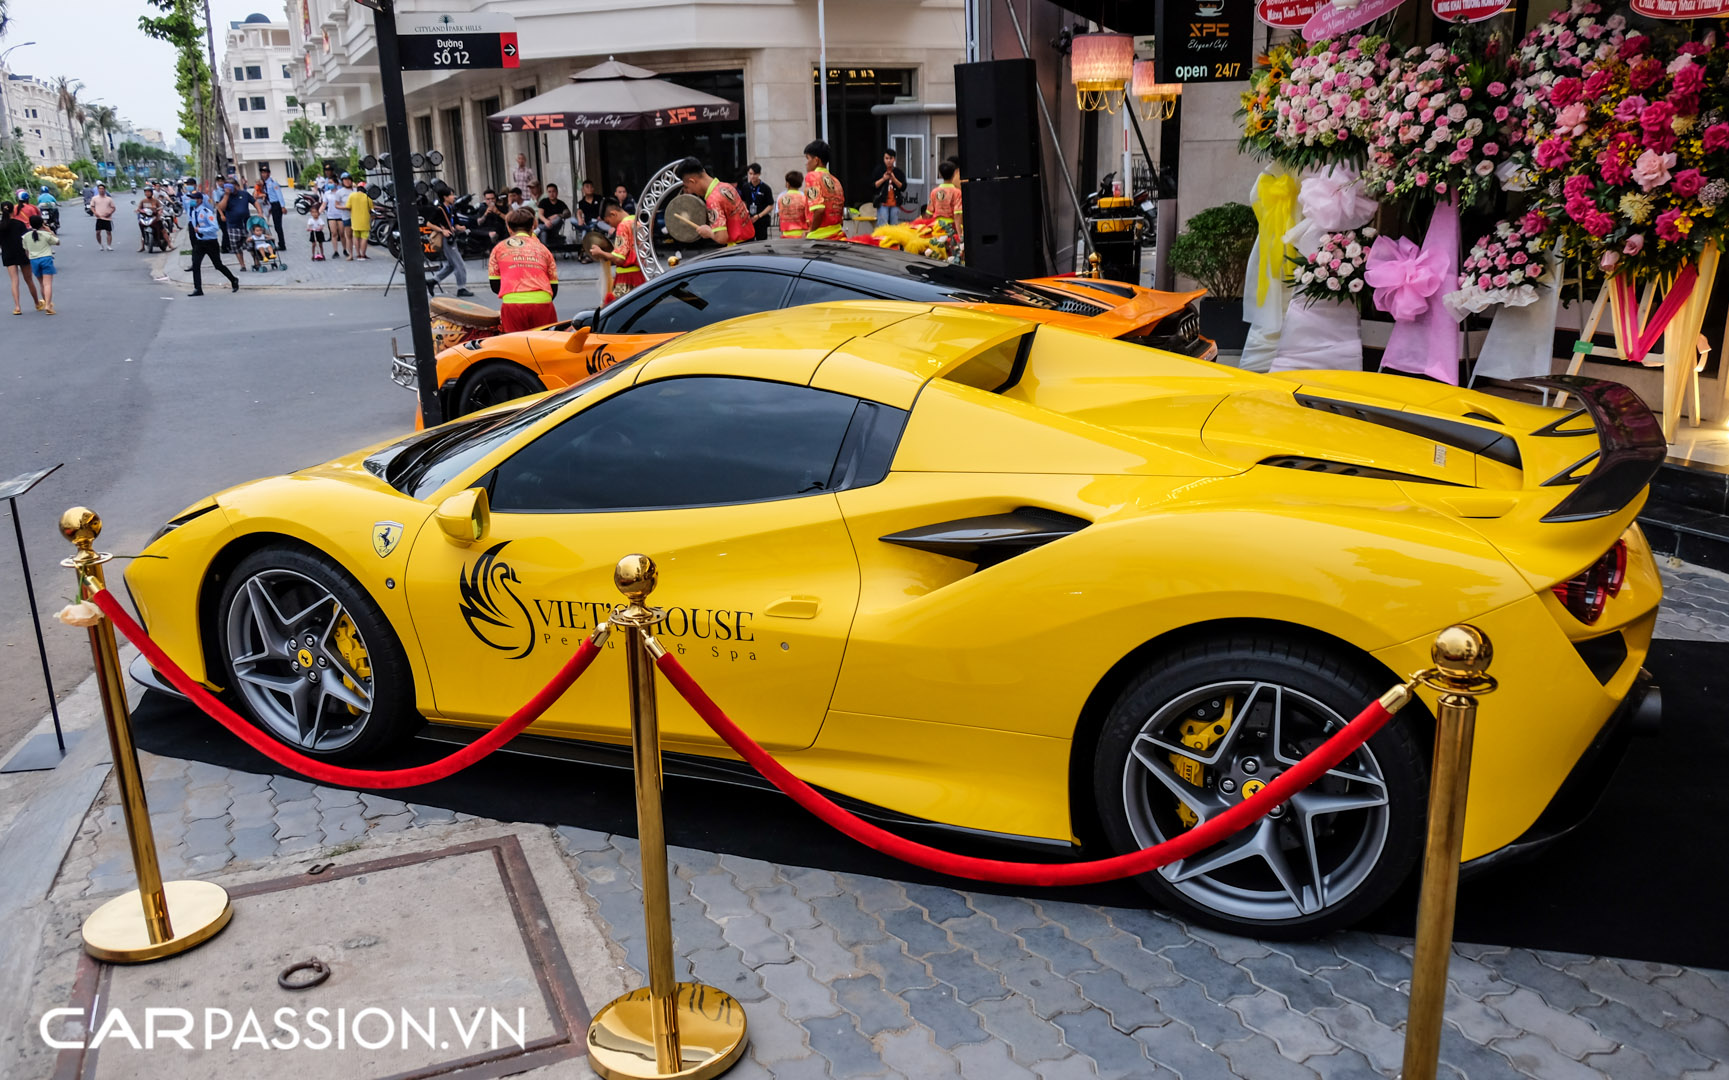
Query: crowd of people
520	231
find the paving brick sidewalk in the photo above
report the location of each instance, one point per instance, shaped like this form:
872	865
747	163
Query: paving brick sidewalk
844	975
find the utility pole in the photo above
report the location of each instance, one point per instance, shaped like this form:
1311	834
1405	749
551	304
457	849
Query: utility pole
407	213
221	113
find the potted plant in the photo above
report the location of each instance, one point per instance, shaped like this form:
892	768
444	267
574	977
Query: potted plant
1213	249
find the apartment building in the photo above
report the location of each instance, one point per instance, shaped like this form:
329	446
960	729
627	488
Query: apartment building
257	81
30	112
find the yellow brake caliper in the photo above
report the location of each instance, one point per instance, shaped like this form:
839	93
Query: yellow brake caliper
1199	735
347	640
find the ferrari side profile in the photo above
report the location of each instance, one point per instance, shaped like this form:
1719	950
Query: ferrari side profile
758	277
978	573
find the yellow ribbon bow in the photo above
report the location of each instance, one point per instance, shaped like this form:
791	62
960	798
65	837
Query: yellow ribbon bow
1275	203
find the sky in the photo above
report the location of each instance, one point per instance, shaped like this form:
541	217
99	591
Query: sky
98	43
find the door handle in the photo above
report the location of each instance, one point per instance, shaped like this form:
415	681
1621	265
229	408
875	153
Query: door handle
795	607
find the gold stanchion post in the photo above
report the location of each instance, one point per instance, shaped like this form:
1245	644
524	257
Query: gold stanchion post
1461	655
667	1028
134	926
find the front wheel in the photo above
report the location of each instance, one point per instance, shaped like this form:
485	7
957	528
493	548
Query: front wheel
1204	728
493	383
311	656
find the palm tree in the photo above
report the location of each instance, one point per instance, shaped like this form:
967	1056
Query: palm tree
66	94
104	121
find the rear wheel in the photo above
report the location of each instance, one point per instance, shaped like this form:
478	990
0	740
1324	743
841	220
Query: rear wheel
494	383
1204	728
312	658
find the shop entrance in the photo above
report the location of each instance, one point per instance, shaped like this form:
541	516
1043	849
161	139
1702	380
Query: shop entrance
857	138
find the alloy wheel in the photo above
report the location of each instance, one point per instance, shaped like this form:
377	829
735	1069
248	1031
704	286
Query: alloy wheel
299	660
1212	747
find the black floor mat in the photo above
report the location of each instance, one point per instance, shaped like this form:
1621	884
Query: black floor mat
1640	879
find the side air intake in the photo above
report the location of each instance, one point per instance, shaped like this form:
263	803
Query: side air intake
992	539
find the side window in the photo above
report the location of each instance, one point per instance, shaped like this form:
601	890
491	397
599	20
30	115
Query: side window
699	441
809	291
701	299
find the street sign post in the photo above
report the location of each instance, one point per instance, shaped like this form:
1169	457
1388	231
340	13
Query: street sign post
428	41
457	42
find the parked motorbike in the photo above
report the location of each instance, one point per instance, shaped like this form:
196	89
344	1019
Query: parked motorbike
471	241
305	201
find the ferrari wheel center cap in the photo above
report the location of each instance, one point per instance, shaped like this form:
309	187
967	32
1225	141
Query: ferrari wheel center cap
305	658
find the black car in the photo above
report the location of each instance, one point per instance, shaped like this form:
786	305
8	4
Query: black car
768	275
748	278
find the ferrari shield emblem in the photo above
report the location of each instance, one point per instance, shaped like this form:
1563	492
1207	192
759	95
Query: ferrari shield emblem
385	535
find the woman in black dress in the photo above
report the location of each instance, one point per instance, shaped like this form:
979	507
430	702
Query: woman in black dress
12	255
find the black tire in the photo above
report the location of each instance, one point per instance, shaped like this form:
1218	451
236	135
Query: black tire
1363	855
494	382
298	576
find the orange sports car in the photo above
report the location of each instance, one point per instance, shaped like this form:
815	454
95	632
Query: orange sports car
773	274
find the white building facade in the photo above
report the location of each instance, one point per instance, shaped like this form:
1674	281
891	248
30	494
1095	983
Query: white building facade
763	54
257	81
30	112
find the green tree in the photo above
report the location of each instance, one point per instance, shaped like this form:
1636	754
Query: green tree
179	25
302	138
104	121
66	98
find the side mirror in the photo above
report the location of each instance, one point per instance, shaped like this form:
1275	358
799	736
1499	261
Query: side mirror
577	341
466	516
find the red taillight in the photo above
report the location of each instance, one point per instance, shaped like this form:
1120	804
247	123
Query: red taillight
1585	594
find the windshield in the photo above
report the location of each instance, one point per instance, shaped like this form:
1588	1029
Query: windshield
426	461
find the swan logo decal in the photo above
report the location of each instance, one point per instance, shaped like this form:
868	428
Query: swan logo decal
495	614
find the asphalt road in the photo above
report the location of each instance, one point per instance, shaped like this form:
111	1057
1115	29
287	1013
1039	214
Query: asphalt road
153	399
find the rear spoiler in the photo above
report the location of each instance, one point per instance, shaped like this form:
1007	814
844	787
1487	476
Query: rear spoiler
1630	447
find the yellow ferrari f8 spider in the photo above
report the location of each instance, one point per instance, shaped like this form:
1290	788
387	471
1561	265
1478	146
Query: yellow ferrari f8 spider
978	573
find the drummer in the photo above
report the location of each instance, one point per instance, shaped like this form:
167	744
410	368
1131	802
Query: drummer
728	218
627	272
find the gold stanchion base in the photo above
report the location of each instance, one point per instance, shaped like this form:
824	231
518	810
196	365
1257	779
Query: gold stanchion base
116	932
711	1035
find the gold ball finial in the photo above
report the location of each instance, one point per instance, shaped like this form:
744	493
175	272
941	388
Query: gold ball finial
635	577
81	525
1462	652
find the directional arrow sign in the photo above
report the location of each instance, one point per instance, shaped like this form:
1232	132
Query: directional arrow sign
430	41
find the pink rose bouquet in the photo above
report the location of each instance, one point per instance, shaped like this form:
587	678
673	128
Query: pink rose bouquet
1447	127
1505	267
1644	171
1332	93
1334	271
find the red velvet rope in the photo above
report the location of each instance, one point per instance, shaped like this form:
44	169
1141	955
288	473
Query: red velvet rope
335	774
1299	776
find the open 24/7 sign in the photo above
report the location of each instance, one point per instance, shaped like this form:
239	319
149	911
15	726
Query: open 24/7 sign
454	42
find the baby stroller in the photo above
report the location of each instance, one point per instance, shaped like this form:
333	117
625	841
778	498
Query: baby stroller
268	259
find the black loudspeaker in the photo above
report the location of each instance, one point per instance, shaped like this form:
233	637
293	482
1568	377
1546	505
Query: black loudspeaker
997	111
1003	227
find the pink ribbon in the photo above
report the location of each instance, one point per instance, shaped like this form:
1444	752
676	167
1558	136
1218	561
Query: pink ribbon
1425	337
1404	277
1624	291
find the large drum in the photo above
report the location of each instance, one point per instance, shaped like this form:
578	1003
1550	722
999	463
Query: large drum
456	321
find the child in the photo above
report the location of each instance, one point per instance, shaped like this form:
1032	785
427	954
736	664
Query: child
39	247
262	247
315	231
254	222
794	207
